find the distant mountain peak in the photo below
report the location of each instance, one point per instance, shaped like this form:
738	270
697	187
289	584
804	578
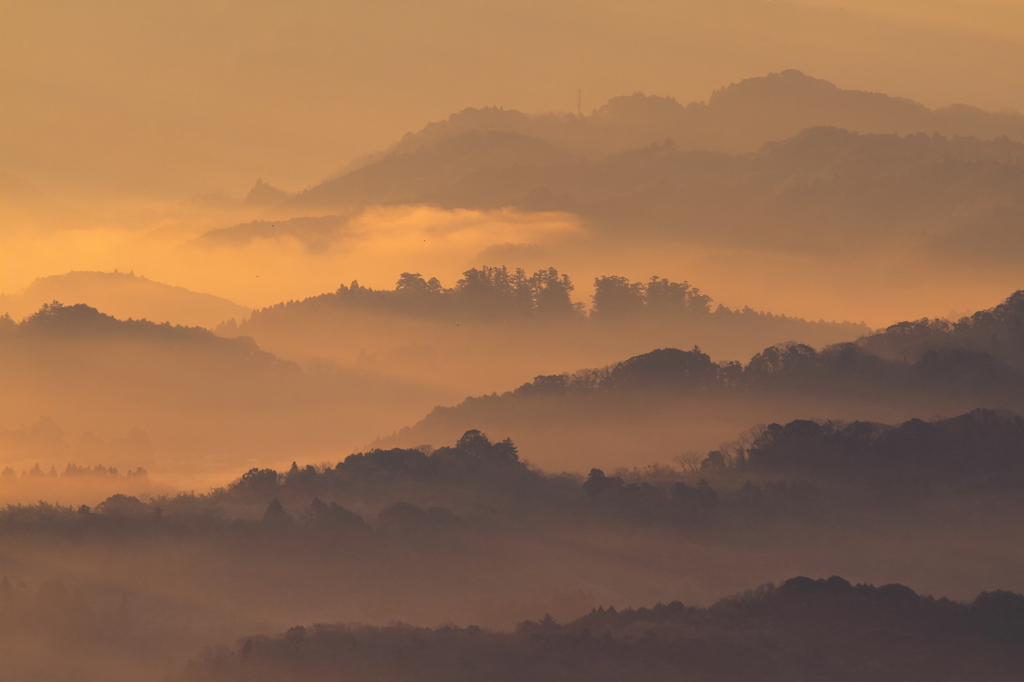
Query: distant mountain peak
638	105
265	194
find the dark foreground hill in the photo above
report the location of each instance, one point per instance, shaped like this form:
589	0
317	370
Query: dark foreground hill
802	630
469	534
801	470
998	332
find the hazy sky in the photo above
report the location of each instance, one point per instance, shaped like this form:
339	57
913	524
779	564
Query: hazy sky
172	99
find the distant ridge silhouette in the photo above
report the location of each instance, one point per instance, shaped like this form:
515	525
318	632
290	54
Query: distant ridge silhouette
263	194
738	118
124	295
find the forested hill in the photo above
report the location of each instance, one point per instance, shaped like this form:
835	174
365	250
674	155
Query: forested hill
80	323
830	472
123	295
498	293
998	332
973	363
802	630
836	374
814	187
190	390
736	119
450	335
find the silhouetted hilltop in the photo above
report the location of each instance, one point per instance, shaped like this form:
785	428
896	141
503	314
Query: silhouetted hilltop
467	170
484	293
314	232
263	194
469	533
965	120
736	119
817	472
190	390
998	332
449	335
822	189
804	629
842	371
58	322
983	447
471	120
667	396
124	295
779	105
489	294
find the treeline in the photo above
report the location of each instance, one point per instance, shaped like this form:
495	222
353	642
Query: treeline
981	353
495	293
804	629
845	368
818	190
58	322
405	488
799	470
487	292
983	448
998	331
10	475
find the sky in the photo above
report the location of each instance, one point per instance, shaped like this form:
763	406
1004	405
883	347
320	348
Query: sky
199	98
133	127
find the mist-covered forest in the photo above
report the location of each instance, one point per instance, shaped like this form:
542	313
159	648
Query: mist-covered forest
666	397
800	194
689	347
447	335
422	535
804	629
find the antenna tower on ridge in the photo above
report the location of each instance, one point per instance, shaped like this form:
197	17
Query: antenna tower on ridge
579	103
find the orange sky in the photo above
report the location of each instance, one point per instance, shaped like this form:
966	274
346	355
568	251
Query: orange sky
190	97
138	122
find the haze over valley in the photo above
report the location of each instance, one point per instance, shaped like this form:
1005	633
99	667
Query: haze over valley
563	341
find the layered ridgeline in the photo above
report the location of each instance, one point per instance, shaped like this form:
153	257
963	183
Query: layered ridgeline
123	295
737	119
653	404
827	473
822	189
203	402
802	630
785	162
497	326
468	534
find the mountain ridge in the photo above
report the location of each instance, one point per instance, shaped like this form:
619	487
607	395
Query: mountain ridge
736	119
124	295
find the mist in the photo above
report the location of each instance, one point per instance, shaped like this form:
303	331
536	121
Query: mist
514	341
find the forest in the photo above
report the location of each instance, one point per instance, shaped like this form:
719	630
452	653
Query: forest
395	535
380	341
444	335
668	396
804	629
799	469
